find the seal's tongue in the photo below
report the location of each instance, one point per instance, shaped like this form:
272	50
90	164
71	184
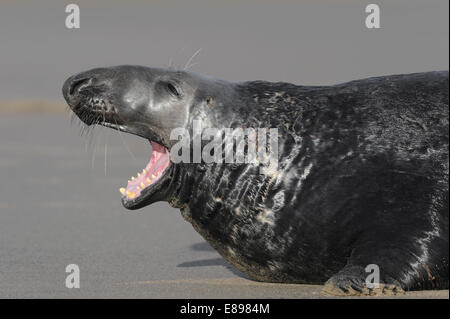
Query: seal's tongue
150	174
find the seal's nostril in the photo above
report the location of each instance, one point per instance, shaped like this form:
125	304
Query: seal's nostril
78	84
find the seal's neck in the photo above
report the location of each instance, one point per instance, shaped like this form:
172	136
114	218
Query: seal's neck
181	185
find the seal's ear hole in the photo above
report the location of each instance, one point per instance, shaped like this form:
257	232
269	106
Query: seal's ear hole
173	90
209	100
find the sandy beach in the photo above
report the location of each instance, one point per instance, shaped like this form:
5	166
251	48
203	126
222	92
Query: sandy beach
59	196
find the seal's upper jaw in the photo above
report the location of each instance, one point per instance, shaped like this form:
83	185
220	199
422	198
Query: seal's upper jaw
88	97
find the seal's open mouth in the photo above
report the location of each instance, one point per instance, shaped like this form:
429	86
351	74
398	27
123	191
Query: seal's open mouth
150	175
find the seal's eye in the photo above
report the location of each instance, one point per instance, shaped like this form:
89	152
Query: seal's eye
173	90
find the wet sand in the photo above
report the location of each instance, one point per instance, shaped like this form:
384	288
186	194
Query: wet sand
59	198
59	205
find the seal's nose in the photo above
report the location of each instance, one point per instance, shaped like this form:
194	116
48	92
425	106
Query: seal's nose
74	85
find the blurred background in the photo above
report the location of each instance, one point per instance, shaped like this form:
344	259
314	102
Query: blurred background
59	199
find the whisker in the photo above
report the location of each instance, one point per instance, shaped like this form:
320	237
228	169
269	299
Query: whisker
191	65
94	149
106	147
124	143
188	65
178	55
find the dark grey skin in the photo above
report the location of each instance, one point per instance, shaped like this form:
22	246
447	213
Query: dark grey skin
362	176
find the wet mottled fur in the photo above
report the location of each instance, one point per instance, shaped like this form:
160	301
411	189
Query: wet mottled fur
362	179
362	175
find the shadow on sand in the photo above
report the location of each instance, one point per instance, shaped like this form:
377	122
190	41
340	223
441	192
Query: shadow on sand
203	246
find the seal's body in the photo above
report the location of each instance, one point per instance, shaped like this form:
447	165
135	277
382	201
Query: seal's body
362	175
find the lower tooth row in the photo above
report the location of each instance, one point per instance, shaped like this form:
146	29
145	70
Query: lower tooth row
131	194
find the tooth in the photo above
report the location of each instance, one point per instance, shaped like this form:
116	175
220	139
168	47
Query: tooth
138	188
153	176
142	185
131	194
122	191
129	181
132	178
149	181
144	171
139	175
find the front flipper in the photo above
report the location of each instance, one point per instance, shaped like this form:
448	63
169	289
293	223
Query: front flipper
351	281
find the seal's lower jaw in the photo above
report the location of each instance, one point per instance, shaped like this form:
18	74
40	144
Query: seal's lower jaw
143	189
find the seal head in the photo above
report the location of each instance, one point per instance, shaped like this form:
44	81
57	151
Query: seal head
147	102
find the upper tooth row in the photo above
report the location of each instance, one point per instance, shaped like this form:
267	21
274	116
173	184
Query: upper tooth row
139	175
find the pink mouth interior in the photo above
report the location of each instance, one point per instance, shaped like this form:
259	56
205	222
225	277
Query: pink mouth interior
155	168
